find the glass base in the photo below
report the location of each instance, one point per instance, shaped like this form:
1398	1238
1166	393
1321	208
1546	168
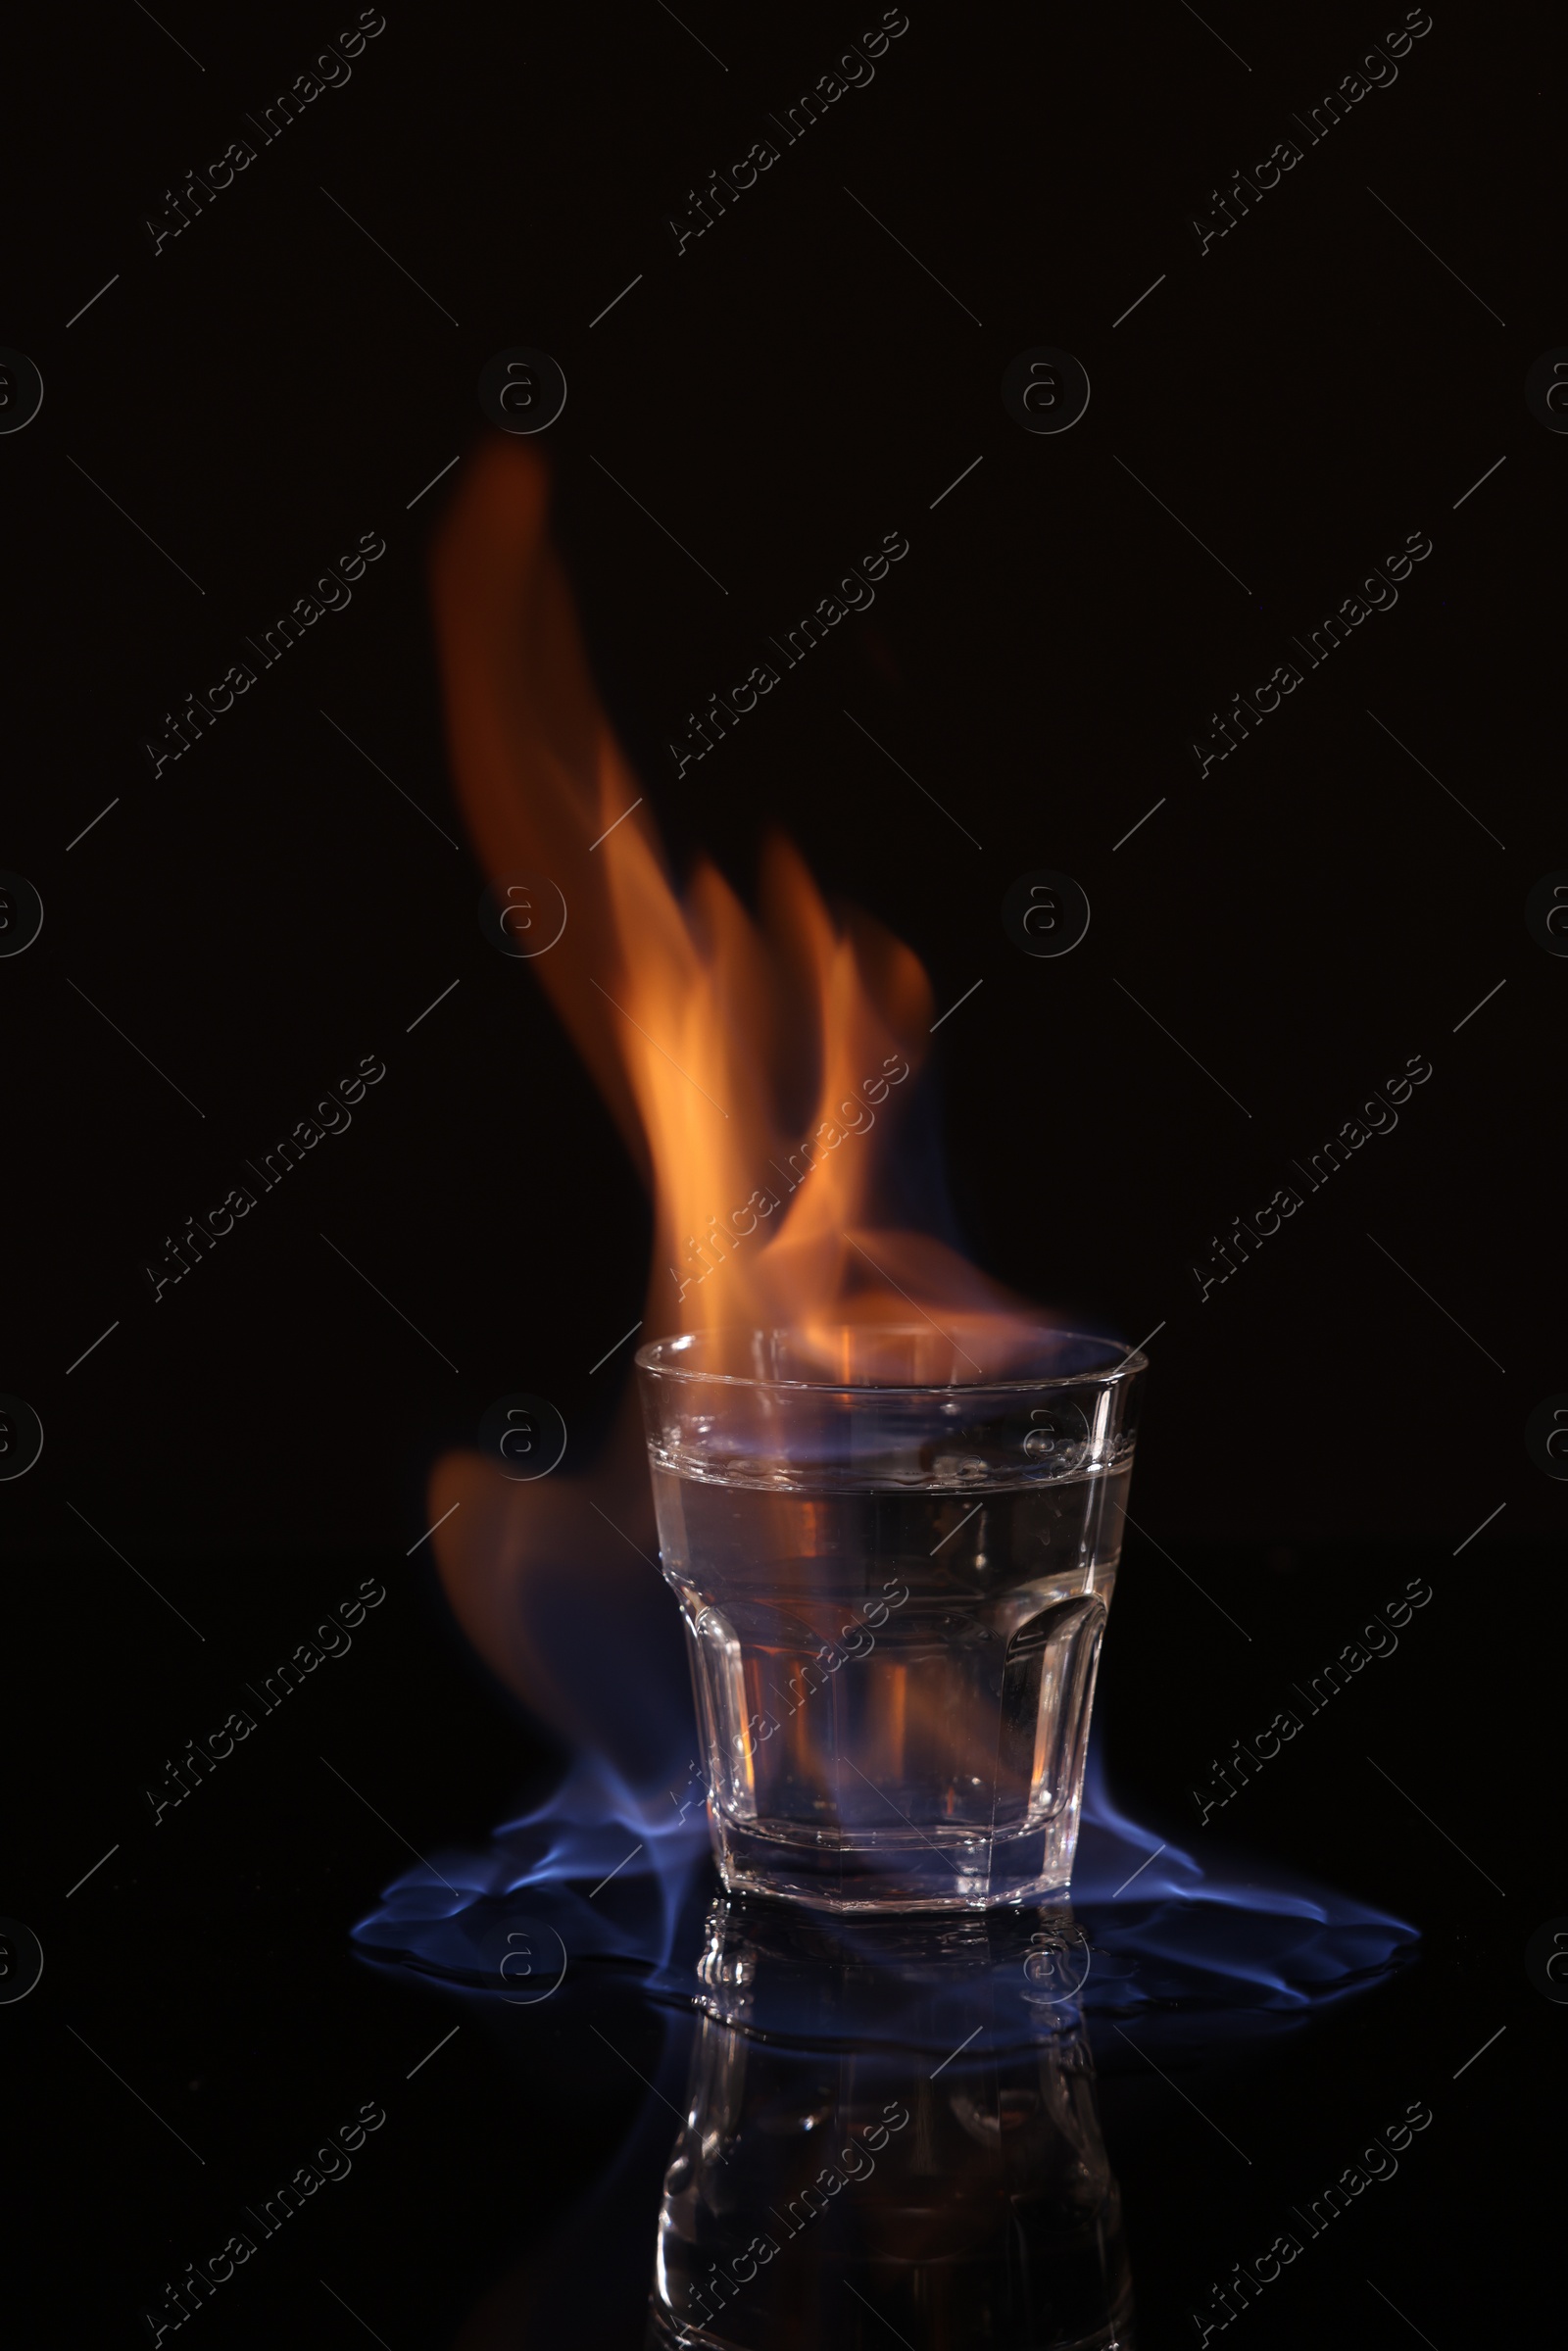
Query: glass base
899	1868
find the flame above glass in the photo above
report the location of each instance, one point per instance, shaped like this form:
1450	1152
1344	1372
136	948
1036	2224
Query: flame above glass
761	1070
763	1073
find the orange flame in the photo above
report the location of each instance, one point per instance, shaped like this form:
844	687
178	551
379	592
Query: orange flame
705	1030
758	1070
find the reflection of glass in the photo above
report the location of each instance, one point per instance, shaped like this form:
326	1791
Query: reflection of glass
824	2180
894	1574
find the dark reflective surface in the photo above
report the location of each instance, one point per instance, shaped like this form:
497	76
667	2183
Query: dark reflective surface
827	2187
1247	2040
852	2126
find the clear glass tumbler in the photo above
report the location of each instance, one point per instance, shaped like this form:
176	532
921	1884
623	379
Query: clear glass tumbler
894	1590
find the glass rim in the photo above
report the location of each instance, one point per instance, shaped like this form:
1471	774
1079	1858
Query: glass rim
652	1359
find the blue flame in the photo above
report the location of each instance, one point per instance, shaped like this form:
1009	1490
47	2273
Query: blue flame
610	1870
1171	1930
625	1882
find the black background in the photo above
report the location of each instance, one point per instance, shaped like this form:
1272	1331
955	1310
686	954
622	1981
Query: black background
1303	919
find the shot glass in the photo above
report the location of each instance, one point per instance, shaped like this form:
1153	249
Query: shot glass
895	1589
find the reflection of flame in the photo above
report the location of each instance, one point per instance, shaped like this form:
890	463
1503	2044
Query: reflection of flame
756	1071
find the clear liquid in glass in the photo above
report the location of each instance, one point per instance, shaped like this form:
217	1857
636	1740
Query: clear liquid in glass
893	1682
